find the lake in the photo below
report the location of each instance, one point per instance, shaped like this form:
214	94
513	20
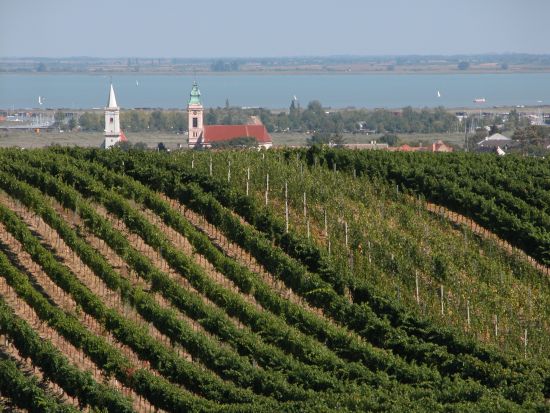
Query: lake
81	91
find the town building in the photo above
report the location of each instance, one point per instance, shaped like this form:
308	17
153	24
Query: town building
206	136
372	145
437	146
496	143
113	133
440	146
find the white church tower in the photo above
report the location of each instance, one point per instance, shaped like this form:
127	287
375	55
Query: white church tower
113	134
195	114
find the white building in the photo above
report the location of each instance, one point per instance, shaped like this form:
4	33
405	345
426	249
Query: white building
113	134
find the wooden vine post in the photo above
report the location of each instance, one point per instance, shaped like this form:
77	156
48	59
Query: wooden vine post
266	188
247	179
468	315
228	171
326	224
286	206
417	289
210	165
346	233
525	343
441	296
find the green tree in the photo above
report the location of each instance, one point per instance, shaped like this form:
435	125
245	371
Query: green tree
532	135
211	117
72	124
59	118
282	122
135	120
337	140
124	146
91	121
294	116
158	120
463	65
319	138
389	138
141	146
239	142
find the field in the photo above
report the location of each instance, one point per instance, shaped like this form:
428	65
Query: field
288	280
28	139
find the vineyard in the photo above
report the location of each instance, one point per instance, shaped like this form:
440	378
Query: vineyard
311	281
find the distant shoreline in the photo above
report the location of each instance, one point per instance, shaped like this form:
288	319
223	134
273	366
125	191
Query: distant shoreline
466	109
283	72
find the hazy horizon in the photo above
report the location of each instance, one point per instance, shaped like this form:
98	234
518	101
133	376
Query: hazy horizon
327	56
244	29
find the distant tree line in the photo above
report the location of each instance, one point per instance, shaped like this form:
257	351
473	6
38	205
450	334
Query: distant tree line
533	139
239	142
316	119
138	121
223	66
313	119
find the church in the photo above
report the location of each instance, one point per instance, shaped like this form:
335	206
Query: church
204	136
113	133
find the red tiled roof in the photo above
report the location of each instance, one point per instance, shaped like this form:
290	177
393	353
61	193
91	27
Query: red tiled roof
220	133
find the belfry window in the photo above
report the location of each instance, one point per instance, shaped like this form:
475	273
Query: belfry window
195	122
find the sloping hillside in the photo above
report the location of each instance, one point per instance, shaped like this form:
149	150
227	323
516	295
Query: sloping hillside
251	281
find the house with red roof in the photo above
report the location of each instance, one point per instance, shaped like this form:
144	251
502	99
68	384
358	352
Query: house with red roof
437	146
206	136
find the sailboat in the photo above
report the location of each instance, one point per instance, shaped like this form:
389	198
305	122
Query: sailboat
40	100
438	94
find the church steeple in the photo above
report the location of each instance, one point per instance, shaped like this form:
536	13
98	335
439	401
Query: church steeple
111	103
195	116
112	121
195	95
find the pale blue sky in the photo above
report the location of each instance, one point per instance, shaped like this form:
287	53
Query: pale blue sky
246	28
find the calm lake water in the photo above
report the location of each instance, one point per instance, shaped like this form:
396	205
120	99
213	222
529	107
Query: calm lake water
276	91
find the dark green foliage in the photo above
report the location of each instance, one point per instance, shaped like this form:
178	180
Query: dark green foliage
368	353
25	392
236	143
